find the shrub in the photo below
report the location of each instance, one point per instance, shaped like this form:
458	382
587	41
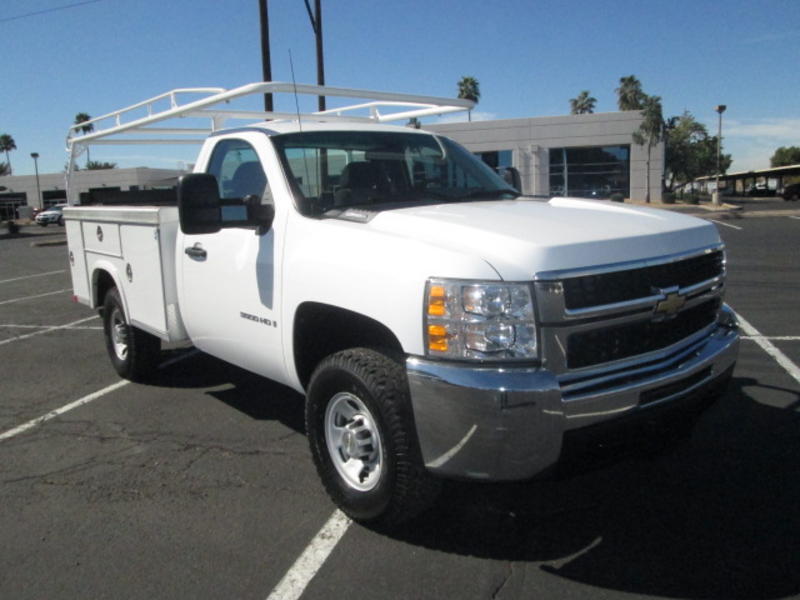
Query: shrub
668	198
617	197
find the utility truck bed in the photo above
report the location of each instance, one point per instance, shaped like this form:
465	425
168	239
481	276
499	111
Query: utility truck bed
136	245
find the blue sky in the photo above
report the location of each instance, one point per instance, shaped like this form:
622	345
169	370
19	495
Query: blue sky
529	56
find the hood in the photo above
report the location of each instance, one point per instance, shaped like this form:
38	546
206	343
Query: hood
520	238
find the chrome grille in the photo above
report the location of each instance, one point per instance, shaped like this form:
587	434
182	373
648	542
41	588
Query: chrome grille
619	286
608	344
626	314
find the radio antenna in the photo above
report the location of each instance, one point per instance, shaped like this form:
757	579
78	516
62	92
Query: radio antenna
294	87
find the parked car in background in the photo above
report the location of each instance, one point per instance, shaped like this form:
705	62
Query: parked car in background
791	192
51	215
760	189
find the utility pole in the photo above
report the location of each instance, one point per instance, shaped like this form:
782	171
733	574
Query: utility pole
715	198
316	24
39	201
266	64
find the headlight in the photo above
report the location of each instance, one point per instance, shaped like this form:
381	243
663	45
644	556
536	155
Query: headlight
479	320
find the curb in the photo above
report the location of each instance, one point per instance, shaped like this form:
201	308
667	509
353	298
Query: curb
46	243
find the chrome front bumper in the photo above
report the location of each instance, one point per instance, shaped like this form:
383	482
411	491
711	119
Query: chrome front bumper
504	424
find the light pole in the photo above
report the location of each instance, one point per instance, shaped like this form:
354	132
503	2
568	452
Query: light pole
720	109
35	157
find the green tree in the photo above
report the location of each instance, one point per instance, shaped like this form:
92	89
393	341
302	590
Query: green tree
414	123
785	156
690	151
583	104
96	165
469	89
4	169
7	144
629	94
88	128
650	133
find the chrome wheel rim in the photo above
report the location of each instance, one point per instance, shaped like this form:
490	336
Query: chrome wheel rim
354	441
119	334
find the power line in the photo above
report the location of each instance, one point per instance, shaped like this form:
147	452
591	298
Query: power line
48	10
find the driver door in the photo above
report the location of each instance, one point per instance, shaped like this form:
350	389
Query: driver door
229	298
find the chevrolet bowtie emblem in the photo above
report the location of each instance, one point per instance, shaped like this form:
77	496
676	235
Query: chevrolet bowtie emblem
670	305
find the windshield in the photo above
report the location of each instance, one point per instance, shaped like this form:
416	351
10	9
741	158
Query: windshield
335	170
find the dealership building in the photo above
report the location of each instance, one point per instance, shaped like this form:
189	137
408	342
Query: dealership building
591	155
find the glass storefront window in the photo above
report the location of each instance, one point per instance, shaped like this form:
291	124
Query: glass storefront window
590	172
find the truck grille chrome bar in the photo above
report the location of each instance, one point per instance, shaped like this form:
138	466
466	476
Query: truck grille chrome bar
626	315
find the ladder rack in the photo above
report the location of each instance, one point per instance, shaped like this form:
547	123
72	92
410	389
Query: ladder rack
127	120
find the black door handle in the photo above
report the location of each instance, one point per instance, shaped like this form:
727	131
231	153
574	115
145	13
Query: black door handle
195	252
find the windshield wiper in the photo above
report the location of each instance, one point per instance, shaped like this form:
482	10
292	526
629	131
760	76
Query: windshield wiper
496	193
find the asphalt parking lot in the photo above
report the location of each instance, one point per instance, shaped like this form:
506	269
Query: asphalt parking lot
201	485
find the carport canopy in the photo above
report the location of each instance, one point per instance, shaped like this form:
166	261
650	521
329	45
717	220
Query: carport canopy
735	184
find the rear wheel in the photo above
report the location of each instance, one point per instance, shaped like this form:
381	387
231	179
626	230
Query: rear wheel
133	352
363	439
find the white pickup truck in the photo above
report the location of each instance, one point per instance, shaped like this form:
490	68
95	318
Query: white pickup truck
439	323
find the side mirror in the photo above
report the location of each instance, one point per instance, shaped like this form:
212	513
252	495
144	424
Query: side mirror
511	176
260	215
199	206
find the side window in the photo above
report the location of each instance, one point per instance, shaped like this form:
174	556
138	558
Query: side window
240	176
238	171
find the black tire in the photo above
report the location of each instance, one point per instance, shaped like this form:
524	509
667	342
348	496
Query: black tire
133	352
375	387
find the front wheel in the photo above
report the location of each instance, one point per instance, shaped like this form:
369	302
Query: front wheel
133	352
363	439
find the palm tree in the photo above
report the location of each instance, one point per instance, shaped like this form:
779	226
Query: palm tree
469	89
88	128
629	94
7	144
583	104
414	122
650	132
4	170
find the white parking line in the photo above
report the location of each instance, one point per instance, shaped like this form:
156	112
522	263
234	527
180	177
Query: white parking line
726	224
769	348
48	330
60	411
85	400
32	276
790	216
777	338
313	557
13	326
36	296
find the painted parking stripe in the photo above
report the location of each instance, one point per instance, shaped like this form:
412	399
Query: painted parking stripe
48	330
726	224
313	557
790	216
60	411
36	296
769	348
85	400
13	326
32	276
776	338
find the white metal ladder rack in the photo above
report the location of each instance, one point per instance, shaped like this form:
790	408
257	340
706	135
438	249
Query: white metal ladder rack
208	107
